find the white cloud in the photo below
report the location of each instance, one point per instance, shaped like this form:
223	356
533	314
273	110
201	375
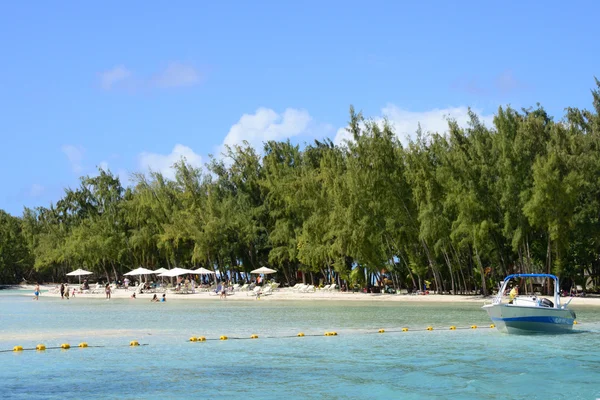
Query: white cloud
266	124
109	79
176	75
75	156
36	190
406	122
163	163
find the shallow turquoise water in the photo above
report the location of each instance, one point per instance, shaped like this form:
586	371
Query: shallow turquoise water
357	364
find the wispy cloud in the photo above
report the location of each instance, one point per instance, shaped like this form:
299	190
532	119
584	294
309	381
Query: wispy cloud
163	163
36	190
75	156
499	84
174	75
507	82
177	75
111	78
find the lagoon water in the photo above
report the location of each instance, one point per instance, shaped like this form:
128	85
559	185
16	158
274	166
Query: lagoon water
359	363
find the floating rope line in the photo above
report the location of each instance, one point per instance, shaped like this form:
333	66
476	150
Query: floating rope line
135	343
65	346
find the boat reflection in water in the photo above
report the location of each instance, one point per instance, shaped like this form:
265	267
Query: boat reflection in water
530	314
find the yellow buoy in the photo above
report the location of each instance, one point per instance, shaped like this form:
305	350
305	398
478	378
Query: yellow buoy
301	334
18	348
134	343
223	337
333	333
452	328
404	329
473	326
382	331
201	339
430	328
492	326
65	346
254	337
83	344
40	347
327	334
193	339
575	322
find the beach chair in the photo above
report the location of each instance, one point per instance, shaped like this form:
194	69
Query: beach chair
299	288
243	288
254	292
97	289
275	286
332	287
326	288
138	288
308	289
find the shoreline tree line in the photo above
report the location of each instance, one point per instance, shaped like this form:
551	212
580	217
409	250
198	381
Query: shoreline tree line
459	210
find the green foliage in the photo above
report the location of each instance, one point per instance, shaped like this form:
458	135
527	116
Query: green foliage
460	209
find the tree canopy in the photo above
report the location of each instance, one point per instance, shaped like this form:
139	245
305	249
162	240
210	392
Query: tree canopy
459	209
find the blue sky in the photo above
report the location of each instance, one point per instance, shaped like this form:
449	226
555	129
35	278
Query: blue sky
135	85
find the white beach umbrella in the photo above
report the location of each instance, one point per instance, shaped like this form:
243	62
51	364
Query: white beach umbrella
176	272
78	272
140	271
204	271
160	271
263	270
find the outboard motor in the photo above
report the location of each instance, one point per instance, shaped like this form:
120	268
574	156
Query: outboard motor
546	303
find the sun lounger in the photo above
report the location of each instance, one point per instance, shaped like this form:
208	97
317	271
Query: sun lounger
308	289
299	288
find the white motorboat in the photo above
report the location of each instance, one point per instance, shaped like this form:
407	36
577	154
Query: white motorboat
530	314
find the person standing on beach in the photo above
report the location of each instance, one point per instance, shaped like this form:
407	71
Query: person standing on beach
67	291
107	291
62	290
36	292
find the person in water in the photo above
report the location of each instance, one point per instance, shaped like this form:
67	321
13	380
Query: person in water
36	293
154	299
164	298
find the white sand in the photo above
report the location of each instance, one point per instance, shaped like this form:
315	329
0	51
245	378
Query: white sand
284	294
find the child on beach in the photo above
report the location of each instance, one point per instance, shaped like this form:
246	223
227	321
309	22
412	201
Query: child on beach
107	291
36	293
164	298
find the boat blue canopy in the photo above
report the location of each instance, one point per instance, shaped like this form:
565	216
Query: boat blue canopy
531	276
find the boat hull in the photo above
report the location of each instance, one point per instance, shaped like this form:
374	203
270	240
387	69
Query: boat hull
523	320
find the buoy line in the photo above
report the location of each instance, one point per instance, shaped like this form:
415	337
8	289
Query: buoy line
135	343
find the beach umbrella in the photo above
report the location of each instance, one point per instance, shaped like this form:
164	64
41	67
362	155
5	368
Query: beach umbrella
140	271
176	272
263	270
78	272
160	271
204	271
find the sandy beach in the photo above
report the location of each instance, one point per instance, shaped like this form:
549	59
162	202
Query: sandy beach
283	294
